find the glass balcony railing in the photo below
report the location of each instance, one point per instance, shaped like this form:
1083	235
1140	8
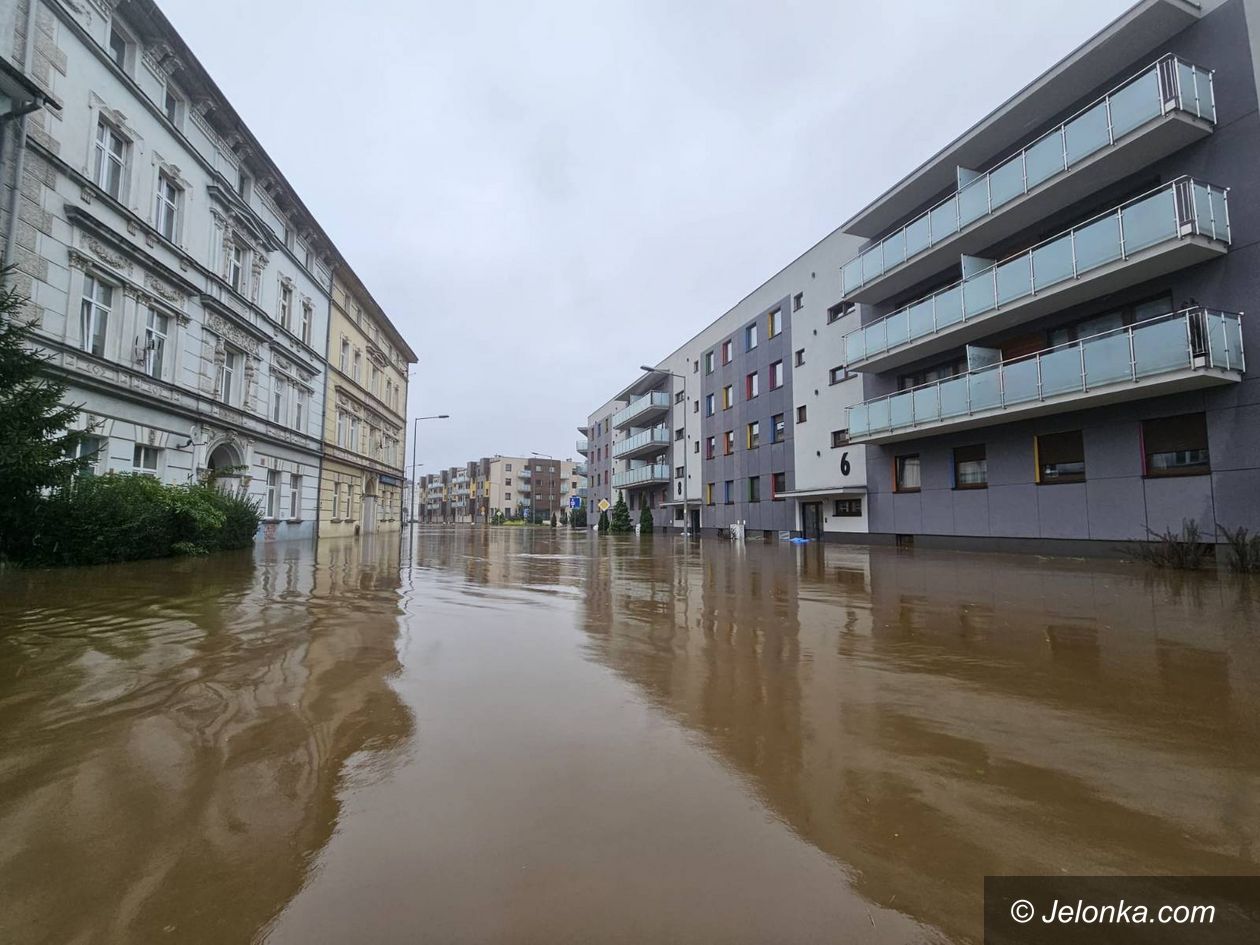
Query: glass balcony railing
639	475
583	447
1168	84
657	436
656	400
1191	339
1179	209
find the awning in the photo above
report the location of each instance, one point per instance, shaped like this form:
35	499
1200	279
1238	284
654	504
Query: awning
818	493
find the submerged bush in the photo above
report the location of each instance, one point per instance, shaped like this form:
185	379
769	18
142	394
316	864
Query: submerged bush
1184	551
1244	549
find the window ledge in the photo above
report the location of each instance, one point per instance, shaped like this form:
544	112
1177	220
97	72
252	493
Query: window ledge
1063	482
1177	475
969	488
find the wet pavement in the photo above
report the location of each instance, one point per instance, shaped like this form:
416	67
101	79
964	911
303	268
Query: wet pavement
519	735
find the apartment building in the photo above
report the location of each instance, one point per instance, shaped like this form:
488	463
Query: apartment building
512	486
181	287
1033	340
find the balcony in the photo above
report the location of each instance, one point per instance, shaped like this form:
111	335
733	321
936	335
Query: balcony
1190	349
648	443
651	406
641	476
1177	225
583	447
1163	108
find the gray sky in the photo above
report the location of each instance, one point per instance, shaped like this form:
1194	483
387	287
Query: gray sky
544	196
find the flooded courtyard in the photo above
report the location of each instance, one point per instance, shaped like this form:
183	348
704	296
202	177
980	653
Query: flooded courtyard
520	735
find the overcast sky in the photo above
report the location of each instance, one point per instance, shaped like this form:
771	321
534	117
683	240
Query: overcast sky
544	196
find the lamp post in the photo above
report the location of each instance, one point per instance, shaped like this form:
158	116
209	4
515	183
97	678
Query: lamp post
415	437
686	437
551	496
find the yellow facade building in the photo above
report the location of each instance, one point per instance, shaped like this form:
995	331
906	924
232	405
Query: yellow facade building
365	415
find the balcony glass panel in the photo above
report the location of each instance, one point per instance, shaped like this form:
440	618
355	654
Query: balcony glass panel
1052	262
1014	279
858	422
1229	353
978	294
986	389
1097	243
1044	159
1061	371
973	202
894	249
872	263
853	275
1196	91
878	413
1220	214
877	336
918	236
1149	221
926	404
901	409
1019	381
1107	359
1135	104
944	219
898	325
948	306
854	346
1086	133
921	319
1160	346
954	397
1006	182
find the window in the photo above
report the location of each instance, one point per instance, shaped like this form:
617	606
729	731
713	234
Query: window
227	375
680	433
728	397
774	323
906	473
336	502
778	486
146	459
277	401
242	183
798	301
111	152
971	468
776	375
341	428
680	397
98	299
679	473
171	105
1176	446
299	411
728	442
710	447
507	481
848	508
1060	457
799	357
708	493
167	206
236	267
91	448
118	47
776	428
295	496
286	307
837	374
754	435
752	386
507	467
308	315
695	406
728	492
834	313
801	413
344	363
839	438
708	362
375	385
155	343
754	488
708	405
727	352
273	492
750	336
357	371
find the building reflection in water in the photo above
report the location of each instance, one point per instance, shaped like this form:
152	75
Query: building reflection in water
228	697
926	719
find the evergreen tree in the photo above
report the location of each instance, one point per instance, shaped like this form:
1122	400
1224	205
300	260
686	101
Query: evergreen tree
645	521
578	518
603	522
553	519
38	453
621	516
564	516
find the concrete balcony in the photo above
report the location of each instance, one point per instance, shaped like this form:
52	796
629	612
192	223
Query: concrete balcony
1174	226
648	475
1157	112
651	406
1186	350
648	443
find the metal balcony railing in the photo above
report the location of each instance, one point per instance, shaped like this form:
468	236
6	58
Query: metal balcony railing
653	472
1169	84
1194	338
656	400
657	436
1184	207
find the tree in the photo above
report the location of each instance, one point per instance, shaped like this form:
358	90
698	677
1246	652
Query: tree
645	521
603	521
564	516
621	516
553	519
578	518
40	452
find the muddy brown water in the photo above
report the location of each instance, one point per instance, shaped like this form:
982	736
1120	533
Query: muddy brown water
518	736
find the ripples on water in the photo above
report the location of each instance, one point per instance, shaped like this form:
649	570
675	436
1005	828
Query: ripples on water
264	745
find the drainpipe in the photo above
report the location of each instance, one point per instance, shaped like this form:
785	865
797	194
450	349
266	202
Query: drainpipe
19	156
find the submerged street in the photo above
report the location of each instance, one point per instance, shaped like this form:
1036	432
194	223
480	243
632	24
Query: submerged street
526	735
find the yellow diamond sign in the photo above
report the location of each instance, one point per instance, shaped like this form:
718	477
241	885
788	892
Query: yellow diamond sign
604	505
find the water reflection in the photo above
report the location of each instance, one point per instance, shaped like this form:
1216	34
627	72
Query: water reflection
173	735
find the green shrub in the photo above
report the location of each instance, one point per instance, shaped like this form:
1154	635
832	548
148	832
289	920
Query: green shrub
1244	549
578	518
645	521
603	524
1184	551
621	517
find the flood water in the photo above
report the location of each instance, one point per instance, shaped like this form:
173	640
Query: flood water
524	736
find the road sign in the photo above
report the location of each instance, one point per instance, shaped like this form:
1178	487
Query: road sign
604	505
575	501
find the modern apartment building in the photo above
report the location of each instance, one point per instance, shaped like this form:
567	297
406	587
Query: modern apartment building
365	416
181	287
1034	338
512	486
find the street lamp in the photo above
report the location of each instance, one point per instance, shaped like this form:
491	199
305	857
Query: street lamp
686	436
415	438
551	496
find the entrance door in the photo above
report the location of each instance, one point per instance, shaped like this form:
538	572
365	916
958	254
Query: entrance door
695	521
811	520
369	514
